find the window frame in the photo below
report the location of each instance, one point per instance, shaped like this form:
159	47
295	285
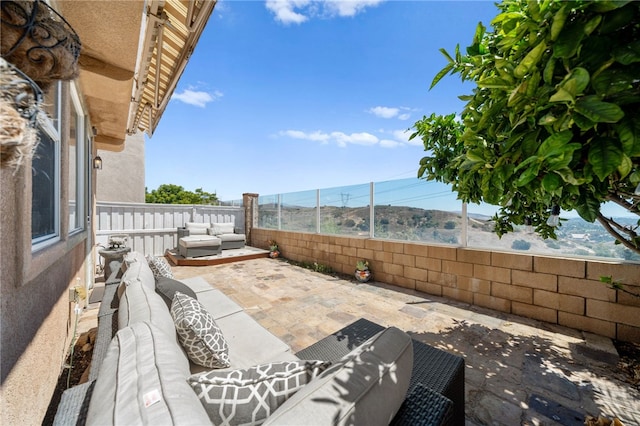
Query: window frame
51	127
77	114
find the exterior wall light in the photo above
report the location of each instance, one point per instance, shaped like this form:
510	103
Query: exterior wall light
97	163
554	219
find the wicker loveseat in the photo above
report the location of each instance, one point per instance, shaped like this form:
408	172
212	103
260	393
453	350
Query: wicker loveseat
196	239
135	352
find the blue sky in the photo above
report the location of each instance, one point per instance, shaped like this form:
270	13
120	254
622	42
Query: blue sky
283	96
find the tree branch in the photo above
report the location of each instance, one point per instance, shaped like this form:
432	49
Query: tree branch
632	207
631	195
606	223
630	231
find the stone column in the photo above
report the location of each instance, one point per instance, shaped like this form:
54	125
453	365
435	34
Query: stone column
250	203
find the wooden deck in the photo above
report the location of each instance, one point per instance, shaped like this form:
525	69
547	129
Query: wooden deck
227	256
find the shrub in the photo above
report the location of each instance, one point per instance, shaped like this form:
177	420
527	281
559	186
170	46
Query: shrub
521	245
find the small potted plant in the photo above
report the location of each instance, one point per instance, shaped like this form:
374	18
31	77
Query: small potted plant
363	273
273	249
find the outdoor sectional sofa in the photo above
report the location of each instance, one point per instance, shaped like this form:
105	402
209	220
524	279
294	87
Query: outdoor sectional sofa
143	371
197	239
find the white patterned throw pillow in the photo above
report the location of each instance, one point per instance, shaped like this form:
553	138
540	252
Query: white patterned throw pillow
249	396
198	332
159	266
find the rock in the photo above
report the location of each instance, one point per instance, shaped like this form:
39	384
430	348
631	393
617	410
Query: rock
85	376
92	334
83	339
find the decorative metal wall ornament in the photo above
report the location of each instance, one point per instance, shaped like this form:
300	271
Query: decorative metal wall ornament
39	41
20	102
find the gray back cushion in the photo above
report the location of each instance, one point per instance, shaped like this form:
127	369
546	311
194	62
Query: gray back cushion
167	287
140	382
139	303
138	270
366	387
222	228
197	228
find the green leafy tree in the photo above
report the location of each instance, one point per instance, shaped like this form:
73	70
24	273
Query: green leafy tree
554	119
175	194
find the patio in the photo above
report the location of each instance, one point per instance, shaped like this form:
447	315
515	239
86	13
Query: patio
518	370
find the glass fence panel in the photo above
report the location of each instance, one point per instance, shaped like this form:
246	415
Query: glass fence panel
480	228
268	212
416	210
344	210
576	237
232	203
298	211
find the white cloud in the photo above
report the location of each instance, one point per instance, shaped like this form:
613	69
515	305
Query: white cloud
197	98
315	136
284	10
350	7
299	11
340	138
401	113
384	112
388	143
388	138
355	138
404	135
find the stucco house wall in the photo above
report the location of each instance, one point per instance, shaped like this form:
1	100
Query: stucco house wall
35	312
122	87
122	176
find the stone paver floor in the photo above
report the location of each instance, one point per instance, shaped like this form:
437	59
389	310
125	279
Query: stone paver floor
518	371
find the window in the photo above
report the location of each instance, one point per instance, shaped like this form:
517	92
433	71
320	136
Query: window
45	169
77	166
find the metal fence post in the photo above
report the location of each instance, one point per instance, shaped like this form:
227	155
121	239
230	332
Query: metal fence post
279	212
465	225
317	211
372	212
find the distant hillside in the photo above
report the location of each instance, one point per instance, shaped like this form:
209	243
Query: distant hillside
575	236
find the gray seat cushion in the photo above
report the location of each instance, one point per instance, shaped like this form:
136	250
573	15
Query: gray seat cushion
200	241
197	284
217	303
366	387
249	343
140	382
232	238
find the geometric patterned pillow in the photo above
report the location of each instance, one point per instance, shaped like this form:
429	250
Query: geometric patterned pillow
198	333
249	396
159	266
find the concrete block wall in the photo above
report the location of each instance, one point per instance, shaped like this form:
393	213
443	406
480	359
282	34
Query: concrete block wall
565	291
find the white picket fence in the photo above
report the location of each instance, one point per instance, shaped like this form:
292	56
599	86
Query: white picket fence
152	228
